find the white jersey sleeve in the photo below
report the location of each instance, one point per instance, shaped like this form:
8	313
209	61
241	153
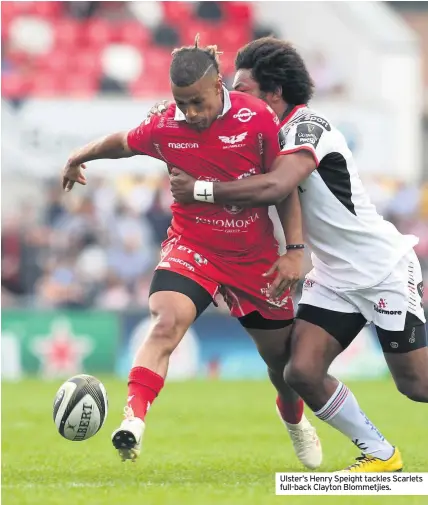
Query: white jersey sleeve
311	133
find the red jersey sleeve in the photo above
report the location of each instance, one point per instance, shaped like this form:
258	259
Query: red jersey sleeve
269	128
141	139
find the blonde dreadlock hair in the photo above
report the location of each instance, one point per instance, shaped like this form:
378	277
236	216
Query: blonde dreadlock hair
190	63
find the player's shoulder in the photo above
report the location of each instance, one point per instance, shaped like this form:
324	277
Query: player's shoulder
245	107
307	114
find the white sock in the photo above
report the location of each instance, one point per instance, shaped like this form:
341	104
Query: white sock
343	413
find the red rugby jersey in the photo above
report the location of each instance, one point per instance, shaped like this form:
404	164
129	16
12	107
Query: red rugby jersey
242	141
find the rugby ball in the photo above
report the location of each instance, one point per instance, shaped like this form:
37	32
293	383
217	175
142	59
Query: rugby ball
80	408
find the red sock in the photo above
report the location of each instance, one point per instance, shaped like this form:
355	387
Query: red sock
143	387
290	412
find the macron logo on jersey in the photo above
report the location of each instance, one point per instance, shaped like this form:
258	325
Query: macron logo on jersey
183	145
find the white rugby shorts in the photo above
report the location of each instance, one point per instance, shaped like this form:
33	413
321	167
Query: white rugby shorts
385	304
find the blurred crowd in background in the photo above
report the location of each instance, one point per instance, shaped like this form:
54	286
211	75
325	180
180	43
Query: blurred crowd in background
97	247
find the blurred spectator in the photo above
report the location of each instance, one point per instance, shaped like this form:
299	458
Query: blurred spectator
104	197
424	202
404	206
141	195
148	13
11	248
54	209
75	224
128	223
209	11
113	10
129	259
115	295
32	35
122	63
326	75
142	288
263	31
166	36
159	215
109	85
91	263
58	287
82	10
6	63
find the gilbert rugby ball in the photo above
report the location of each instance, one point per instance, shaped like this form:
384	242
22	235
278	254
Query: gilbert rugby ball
80	408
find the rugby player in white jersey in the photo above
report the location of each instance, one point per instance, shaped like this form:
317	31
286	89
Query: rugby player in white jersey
364	270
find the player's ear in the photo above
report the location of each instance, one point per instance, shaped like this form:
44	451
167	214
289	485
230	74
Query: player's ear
276	95
219	84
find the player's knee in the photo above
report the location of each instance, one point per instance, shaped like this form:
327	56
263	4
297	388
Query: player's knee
297	376
167	330
416	389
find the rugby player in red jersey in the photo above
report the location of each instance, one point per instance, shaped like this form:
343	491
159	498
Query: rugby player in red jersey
214	135
364	270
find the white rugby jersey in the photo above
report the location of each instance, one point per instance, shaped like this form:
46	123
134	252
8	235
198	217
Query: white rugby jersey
352	246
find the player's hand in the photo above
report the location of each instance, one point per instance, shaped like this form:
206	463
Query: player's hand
73	173
287	269
182	185
158	108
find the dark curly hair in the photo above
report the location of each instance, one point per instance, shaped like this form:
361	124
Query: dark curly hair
275	63
190	63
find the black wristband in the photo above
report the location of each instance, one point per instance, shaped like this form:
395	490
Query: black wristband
295	246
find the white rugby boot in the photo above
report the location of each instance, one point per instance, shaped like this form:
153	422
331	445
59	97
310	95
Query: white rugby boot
127	438
306	443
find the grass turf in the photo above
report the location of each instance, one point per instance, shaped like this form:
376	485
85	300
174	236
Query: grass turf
206	443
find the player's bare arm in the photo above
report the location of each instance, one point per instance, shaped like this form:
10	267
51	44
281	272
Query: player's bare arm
259	190
287	172
288	267
114	146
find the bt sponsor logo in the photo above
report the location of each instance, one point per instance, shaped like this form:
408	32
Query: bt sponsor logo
200	260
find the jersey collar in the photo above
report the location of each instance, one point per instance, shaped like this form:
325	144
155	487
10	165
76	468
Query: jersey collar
290	111
179	116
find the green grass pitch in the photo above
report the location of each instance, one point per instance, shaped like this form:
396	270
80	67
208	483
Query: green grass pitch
206	443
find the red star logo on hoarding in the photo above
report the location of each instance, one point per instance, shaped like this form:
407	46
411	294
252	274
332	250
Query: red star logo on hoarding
61	352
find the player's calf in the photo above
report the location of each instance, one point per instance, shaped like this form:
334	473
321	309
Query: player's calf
272	344
414	390
166	332
413	383
172	314
272	340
